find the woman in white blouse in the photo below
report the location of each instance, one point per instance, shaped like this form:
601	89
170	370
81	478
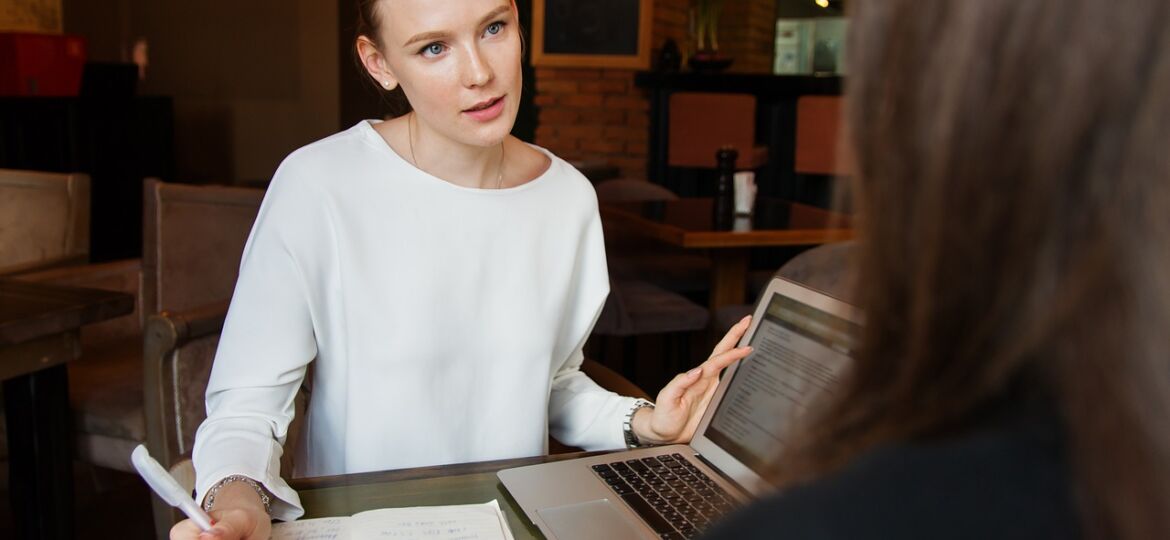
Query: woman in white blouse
443	274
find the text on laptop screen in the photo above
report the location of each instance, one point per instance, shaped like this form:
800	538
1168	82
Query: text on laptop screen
798	353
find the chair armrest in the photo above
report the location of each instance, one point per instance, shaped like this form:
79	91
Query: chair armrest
612	380
164	340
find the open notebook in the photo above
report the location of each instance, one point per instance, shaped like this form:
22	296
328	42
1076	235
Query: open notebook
468	522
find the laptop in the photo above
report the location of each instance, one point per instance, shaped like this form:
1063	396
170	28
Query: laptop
801	340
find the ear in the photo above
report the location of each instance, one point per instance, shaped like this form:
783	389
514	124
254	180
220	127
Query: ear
375	63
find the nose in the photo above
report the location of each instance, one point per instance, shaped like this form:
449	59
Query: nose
477	71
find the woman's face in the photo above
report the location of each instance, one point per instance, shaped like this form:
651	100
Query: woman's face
458	62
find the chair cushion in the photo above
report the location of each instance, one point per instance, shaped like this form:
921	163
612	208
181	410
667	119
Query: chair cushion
638	307
675	271
105	390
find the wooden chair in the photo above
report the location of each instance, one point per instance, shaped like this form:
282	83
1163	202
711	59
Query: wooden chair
819	144
44	220
703	122
821	152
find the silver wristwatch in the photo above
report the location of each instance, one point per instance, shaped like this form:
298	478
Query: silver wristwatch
628	427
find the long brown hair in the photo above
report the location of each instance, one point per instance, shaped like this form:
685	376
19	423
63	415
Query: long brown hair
1013	192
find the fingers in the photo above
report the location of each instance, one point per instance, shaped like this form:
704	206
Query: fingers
185	529
220	532
716	363
677	387
732	336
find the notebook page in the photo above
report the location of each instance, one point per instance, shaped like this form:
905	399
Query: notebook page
462	522
330	528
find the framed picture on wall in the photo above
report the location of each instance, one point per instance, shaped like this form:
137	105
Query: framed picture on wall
593	33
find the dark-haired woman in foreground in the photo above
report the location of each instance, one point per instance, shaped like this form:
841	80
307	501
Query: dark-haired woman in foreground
1014	188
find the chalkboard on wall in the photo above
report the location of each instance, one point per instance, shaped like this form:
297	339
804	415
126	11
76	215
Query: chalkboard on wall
594	33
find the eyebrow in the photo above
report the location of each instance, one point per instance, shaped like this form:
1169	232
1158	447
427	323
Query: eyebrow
436	36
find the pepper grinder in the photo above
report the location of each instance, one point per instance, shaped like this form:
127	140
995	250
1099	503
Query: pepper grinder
723	209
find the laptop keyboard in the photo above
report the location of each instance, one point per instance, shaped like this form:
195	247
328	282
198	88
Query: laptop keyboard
671	495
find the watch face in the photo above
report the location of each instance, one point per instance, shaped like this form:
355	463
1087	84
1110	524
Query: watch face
628	427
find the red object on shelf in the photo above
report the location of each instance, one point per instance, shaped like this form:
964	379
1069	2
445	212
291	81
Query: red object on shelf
40	64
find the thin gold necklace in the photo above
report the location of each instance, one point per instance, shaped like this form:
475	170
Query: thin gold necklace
410	140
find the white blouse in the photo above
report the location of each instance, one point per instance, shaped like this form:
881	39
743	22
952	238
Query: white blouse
446	322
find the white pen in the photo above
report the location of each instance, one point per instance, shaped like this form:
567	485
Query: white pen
166	487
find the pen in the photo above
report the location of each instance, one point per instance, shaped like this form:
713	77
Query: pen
167	488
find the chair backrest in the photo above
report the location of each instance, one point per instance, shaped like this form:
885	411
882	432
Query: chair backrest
193	237
44	219
827	268
702	122
819	147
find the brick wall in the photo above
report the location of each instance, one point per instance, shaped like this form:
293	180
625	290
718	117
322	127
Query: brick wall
600	114
41	16
593	114
747	32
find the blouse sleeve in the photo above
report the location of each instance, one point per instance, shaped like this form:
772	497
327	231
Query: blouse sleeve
582	413
267	342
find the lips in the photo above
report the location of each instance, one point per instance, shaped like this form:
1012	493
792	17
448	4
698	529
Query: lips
483	104
486	111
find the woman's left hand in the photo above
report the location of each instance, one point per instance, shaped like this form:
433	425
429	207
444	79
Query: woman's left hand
682	402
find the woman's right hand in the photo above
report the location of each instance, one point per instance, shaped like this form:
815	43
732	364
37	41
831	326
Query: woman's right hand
238	514
229	524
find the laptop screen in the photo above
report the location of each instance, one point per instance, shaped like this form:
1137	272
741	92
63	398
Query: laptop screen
798	353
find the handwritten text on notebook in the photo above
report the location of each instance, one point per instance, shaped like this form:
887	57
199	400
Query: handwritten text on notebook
462	522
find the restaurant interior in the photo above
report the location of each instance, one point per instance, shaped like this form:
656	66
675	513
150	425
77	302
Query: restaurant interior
137	138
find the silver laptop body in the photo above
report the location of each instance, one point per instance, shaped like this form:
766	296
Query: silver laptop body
801	340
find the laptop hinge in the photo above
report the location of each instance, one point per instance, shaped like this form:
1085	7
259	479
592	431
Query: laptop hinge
739	487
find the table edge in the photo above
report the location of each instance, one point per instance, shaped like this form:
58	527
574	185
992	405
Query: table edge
438	471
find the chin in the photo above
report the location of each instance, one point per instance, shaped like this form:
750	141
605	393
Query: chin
492	133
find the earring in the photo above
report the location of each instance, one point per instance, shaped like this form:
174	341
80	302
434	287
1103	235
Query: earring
386	84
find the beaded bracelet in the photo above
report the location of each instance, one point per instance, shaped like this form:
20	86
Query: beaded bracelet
209	500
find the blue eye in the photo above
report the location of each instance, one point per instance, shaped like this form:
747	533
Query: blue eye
495	28
434	49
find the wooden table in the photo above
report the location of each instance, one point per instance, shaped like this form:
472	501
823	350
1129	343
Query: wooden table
39	332
687	223
464	483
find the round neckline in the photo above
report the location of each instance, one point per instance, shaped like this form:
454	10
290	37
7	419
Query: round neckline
367	127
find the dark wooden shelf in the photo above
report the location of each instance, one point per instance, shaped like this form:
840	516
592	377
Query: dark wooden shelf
749	83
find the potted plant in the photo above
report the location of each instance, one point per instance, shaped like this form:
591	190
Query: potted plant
705	30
